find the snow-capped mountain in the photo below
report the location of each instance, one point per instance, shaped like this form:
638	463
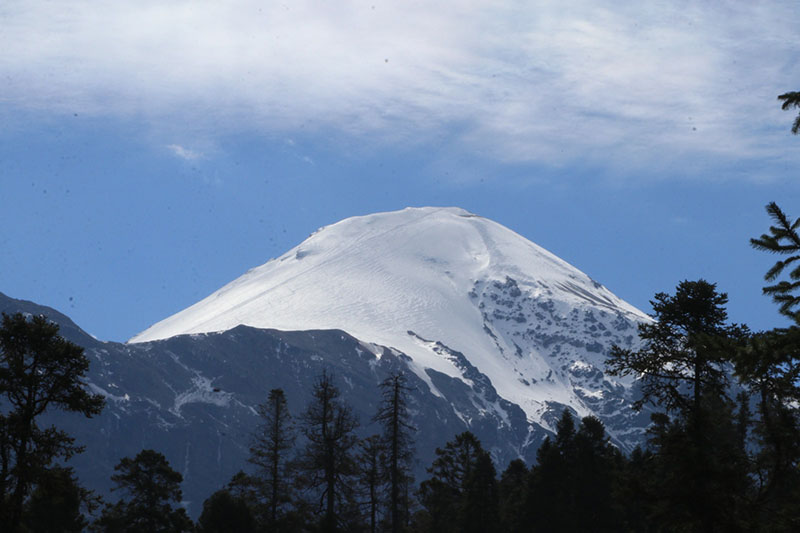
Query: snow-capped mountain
461	295
496	335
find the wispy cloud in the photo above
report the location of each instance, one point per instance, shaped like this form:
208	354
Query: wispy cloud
184	153
633	84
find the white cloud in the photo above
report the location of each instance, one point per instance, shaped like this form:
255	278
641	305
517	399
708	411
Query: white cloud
627	84
184	153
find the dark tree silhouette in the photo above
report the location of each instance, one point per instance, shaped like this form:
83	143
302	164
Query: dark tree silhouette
685	367
395	419
223	512
39	372
790	100
782	239
326	463
152	486
372	478
442	495
512	491
269	452
479	511
770	367
58	503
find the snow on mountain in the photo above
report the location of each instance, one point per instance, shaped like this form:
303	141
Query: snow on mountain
441	285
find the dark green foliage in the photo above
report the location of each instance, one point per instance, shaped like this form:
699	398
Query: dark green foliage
479	511
782	239
372	479
151	487
58	503
770	367
453	476
791	99
326	465
513	495
598	467
39	372
699	457
683	358
272	443
700	487
551	495
223	512
394	417
573	484
637	491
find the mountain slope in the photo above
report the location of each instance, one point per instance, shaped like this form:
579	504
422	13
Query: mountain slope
434	282
194	398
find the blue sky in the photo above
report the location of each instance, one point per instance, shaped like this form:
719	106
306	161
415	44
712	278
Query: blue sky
150	152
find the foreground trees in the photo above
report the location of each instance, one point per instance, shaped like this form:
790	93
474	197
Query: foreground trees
151	487
770	367
39	371
326	465
272	443
397	446
684	368
573	484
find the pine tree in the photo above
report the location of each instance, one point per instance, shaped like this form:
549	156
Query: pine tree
597	471
442	495
782	239
58	503
372	477
223	512
326	463
684	367
152	486
551	496
682	349
513	495
272	442
770	366
39	372
480	506
394	417
573	484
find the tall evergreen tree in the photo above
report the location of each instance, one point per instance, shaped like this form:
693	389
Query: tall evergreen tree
326	463
394	417
573	484
272	443
551	496
684	367
597	471
152	487
39	372
770	366
442	495
372	475
682	359
480	506
513	495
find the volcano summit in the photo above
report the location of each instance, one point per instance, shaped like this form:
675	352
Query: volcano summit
451	290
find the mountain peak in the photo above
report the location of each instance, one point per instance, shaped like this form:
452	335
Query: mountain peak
424	277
